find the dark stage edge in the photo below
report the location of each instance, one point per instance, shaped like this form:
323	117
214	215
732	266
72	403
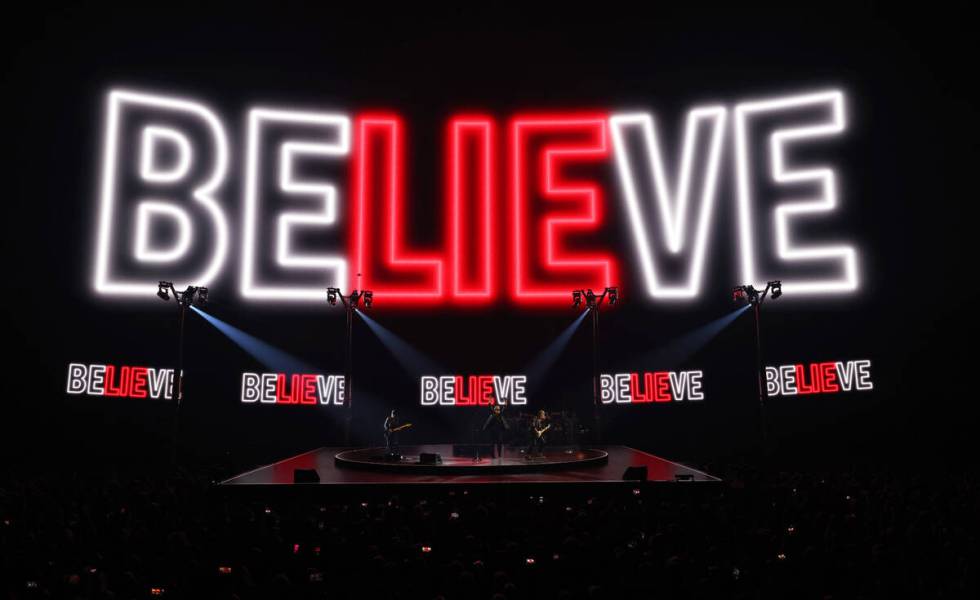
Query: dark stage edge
373	459
323	460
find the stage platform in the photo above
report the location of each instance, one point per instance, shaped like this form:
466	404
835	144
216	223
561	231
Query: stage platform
555	459
605	465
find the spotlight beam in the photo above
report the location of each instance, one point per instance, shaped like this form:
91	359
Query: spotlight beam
265	353
547	358
412	360
681	348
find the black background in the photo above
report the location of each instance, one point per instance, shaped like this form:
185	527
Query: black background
905	165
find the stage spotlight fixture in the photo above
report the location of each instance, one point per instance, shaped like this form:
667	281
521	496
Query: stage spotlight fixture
352	300
163	291
186	299
590	299
593	300
350	303
592	303
755	299
192	295
747	293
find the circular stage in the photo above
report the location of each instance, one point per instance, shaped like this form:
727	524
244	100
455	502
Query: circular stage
411	461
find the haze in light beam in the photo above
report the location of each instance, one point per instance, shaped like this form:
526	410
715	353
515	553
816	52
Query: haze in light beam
415	362
271	357
547	358
678	350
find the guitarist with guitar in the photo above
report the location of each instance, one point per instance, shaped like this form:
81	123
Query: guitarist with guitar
539	425
392	426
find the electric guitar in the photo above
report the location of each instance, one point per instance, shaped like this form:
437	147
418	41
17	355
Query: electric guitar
540	432
399	428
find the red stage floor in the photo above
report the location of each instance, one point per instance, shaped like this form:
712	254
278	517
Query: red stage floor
322	459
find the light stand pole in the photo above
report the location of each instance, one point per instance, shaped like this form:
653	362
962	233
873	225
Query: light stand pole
592	304
350	304
192	295
755	298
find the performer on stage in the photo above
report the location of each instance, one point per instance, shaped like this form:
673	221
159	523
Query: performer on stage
539	425
496	425
392	427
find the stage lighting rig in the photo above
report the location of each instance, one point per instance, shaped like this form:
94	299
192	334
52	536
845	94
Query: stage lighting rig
193	295
590	299
350	303
593	300
365	296
592	304
748	293
352	300
755	298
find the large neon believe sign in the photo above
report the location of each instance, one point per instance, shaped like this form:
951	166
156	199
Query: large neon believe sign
515	198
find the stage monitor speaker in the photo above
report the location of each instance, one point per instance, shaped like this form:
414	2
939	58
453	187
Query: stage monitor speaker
430	458
635	474
305	476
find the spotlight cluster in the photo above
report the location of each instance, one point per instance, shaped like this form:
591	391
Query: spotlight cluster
192	295
593	300
354	300
748	293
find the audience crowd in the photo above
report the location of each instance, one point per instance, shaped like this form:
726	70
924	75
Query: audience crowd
760	534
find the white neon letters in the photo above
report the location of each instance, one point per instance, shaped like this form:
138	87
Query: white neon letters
673	202
116	171
790	211
336	130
